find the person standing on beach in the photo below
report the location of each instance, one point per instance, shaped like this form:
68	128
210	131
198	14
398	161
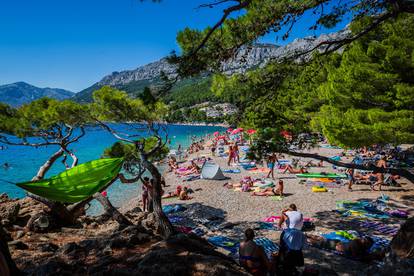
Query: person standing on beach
145	193
292	240
230	155
350	174
236	154
271	162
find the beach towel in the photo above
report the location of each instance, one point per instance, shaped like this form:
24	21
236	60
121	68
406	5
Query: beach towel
379	227
226	243
380	244
175	219
266	225
360	209
232	171
198	231
268	246
324	184
184	229
174	208
321	175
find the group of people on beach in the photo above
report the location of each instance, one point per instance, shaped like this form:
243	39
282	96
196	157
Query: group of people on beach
292	241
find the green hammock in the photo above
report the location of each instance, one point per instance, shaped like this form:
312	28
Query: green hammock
78	183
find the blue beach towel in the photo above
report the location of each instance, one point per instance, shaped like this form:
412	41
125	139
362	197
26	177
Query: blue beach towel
175	219
268	246
225	243
169	209
232	171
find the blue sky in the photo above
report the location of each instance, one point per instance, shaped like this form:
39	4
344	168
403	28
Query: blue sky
71	44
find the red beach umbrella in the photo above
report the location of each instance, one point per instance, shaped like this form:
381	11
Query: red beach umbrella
251	131
216	133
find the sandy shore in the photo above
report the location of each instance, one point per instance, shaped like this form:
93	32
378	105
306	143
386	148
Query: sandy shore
238	208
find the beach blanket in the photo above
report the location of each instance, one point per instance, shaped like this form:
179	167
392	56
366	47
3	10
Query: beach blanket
175	219
321	175
169	209
266	225
226	243
360	209
379	227
380	244
184	229
232	171
324	184
198	231
258	170
268	246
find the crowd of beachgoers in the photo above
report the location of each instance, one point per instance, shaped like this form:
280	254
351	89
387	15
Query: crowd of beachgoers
284	212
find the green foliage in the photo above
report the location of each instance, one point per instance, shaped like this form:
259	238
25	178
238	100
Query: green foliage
364	96
191	92
370	95
129	152
111	104
147	97
44	117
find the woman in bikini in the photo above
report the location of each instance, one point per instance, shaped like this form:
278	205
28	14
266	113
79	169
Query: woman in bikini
290	169
271	191
252	256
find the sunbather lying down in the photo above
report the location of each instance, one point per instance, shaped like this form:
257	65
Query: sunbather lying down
357	248
275	191
290	169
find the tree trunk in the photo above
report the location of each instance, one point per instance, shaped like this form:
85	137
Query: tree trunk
47	165
398	171
76	209
111	210
166	228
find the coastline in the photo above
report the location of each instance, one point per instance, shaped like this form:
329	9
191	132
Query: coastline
225	125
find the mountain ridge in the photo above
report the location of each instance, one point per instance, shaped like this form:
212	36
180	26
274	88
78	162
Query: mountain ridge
19	93
256	55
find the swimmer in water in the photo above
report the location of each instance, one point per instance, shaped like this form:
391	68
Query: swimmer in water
6	166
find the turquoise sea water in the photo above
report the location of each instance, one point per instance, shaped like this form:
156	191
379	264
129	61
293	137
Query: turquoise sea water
25	161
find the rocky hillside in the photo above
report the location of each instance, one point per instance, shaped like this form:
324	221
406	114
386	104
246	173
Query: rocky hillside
20	93
133	81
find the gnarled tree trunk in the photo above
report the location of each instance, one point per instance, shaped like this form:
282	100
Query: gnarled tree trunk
111	210
166	228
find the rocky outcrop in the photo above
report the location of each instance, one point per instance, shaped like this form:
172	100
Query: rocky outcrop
147	72
103	248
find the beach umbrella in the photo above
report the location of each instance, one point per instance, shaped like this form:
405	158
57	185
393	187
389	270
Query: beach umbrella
236	131
286	134
229	129
216	133
251	131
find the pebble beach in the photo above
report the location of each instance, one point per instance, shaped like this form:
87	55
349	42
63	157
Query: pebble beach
240	210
